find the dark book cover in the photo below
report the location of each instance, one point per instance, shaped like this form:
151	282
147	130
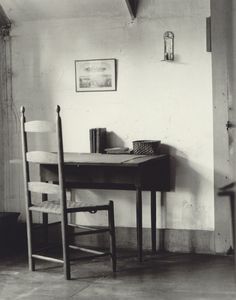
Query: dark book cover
91	140
103	137
97	145
94	140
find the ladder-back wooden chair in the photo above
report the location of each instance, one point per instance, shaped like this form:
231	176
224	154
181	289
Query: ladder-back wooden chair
61	206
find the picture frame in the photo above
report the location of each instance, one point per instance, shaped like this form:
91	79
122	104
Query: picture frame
95	75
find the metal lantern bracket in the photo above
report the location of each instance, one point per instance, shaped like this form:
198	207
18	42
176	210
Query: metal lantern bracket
168	46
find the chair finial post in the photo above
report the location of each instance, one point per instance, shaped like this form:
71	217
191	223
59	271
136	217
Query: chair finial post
22	109
58	109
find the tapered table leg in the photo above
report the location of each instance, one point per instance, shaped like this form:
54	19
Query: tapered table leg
139	224
153	221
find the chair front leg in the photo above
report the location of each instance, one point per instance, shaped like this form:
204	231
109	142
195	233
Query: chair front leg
29	224
65	245
112	235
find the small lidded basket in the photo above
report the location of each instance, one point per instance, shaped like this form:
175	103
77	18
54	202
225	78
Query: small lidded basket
146	147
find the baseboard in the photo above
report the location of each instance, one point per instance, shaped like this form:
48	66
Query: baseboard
171	240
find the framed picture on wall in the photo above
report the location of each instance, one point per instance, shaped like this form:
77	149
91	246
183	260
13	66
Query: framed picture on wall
95	75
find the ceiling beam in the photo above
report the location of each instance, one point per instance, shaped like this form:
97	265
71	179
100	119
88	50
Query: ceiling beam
132	7
4	21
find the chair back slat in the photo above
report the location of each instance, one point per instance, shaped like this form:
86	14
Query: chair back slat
42	157
40	126
38	156
43	187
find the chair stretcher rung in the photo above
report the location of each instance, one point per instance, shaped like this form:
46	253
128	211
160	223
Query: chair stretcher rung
86	250
91	231
51	259
81	226
90	256
88	208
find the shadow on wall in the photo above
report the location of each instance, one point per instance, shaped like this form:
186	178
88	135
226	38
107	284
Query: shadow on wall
113	140
187	180
183	175
39	103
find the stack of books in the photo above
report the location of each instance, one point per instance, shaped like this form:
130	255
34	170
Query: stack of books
97	138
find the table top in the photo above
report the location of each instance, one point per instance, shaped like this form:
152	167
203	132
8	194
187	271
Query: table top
110	159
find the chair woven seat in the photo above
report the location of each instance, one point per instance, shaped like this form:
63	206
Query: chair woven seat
54	207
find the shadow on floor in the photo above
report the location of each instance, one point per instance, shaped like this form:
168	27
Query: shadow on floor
163	276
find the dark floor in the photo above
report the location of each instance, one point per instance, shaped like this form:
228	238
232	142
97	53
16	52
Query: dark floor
166	276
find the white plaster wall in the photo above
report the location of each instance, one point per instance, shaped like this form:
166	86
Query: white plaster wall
154	99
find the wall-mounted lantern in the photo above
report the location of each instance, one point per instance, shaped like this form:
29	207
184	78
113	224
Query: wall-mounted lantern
168	45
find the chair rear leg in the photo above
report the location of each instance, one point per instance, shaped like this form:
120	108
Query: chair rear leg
112	235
